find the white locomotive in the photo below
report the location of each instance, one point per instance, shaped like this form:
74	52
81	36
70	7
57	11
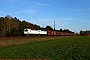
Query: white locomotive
34	32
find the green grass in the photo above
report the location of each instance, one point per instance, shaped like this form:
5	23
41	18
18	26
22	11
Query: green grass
67	48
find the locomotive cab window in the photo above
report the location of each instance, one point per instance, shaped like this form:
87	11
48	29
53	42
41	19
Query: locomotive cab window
26	30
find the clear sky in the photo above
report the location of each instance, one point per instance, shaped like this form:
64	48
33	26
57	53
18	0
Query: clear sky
68	14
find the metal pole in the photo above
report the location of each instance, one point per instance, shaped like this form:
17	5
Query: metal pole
54	25
54	31
54	28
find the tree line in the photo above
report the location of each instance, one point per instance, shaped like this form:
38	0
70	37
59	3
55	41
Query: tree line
12	26
83	33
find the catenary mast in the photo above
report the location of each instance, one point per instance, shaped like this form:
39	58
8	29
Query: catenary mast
54	25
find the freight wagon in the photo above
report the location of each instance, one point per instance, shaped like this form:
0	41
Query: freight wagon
57	33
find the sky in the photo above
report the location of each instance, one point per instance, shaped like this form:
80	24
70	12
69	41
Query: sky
68	14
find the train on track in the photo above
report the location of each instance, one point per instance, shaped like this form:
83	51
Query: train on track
31	32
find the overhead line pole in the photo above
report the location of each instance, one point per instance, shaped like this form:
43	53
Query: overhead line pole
54	25
54	28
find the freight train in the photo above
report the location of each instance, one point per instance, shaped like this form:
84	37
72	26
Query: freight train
28	31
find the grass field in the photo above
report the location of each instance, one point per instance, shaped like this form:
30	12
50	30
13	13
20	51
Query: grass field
66	48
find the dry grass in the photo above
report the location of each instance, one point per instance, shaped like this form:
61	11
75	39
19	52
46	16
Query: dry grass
8	41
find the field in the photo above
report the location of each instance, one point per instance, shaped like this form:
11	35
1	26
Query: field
55	48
